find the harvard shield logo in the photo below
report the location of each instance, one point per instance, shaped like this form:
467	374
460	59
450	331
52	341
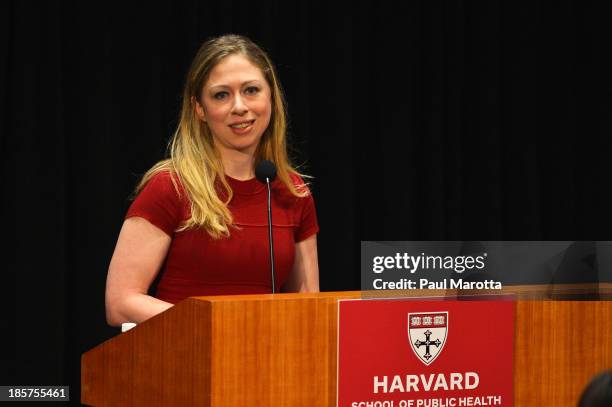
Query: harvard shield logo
427	333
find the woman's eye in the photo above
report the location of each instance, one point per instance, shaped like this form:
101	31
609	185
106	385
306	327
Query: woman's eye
220	95
251	90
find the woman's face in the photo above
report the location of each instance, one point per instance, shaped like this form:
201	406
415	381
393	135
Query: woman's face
236	104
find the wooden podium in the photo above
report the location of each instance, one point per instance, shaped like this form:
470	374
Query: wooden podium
280	350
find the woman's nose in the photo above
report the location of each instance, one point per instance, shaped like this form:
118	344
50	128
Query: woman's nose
239	107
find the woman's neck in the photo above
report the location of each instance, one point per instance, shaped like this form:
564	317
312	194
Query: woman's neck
238	165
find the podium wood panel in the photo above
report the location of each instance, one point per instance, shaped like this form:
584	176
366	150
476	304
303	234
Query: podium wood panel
280	350
559	345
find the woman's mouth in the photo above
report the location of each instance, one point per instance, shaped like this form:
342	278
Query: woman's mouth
242	125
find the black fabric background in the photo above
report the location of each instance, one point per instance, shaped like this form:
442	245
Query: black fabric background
429	120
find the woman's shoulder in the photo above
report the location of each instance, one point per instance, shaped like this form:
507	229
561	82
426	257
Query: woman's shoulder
159	201
163	176
163	181
300	185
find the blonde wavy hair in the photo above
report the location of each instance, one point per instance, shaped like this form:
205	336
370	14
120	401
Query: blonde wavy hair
193	158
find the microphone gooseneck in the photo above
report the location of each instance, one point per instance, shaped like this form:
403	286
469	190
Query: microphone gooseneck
266	173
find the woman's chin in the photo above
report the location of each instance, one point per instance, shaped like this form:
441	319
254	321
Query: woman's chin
245	147
245	144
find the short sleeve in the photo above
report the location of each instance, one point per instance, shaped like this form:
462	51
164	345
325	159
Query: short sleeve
159	203
308	221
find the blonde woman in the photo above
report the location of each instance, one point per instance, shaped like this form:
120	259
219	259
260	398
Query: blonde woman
199	217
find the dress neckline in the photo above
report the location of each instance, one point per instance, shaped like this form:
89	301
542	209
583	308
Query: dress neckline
245	187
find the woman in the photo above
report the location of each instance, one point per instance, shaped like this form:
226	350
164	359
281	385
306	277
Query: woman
200	216
598	392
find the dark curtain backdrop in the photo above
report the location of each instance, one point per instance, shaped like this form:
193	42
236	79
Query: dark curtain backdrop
420	120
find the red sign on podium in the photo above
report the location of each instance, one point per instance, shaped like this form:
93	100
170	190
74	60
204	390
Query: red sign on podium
425	353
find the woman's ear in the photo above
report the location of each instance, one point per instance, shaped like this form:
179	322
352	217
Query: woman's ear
198	109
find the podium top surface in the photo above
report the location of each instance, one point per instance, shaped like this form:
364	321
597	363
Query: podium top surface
594	291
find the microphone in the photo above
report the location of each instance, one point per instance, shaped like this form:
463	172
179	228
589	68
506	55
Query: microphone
265	172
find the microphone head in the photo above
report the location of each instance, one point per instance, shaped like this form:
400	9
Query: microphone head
265	169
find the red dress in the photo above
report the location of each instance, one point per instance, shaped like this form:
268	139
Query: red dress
197	264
